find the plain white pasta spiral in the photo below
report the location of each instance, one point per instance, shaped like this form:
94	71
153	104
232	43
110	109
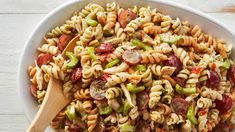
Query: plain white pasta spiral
166	23
155	93
183	74
211	94
159	70
204	103
113	92
48	49
53	70
182	55
116	69
117	79
157	117
173	118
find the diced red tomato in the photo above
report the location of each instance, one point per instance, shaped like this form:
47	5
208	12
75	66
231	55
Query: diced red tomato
196	70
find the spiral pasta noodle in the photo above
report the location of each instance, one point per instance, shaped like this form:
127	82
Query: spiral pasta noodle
117	79
155	93
82	94
152	57
113	92
135	69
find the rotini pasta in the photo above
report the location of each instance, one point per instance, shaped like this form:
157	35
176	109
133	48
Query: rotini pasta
138	69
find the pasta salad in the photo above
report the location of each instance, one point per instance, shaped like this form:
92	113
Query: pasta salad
136	70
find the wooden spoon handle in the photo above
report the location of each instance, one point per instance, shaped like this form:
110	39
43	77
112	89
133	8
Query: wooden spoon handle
53	103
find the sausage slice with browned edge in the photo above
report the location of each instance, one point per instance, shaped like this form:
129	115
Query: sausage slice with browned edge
98	89
125	17
131	57
43	59
64	39
76	75
179	106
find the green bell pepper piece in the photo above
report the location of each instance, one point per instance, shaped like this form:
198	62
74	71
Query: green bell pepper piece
73	60
190	114
141	44
186	91
127	128
112	63
140	67
126	108
70	112
134	89
91	52
91	22
170	39
226	64
105	110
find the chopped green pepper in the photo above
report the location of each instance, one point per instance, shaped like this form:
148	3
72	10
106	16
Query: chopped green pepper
105	110
141	44
186	91
91	52
120	109
134	89
226	64
112	63
90	21
73	60
140	67
170	39
190	114
126	108
127	128
70	112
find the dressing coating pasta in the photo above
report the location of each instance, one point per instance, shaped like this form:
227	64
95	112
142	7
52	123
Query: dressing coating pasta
136	69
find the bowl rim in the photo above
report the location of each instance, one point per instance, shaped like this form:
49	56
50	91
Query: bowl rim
67	3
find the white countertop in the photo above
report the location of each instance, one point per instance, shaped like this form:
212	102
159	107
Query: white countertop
19	17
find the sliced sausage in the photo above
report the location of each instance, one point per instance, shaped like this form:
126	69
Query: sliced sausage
63	41
131	57
175	62
98	89
105	48
224	105
221	127
142	100
179	106
125	17
43	59
76	75
180	81
213	80
143	126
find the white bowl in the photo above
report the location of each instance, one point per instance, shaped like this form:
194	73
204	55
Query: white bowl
64	12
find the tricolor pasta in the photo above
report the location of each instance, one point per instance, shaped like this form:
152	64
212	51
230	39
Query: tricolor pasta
135	70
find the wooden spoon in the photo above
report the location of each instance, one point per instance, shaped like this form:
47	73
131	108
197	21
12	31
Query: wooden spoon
70	46
54	100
